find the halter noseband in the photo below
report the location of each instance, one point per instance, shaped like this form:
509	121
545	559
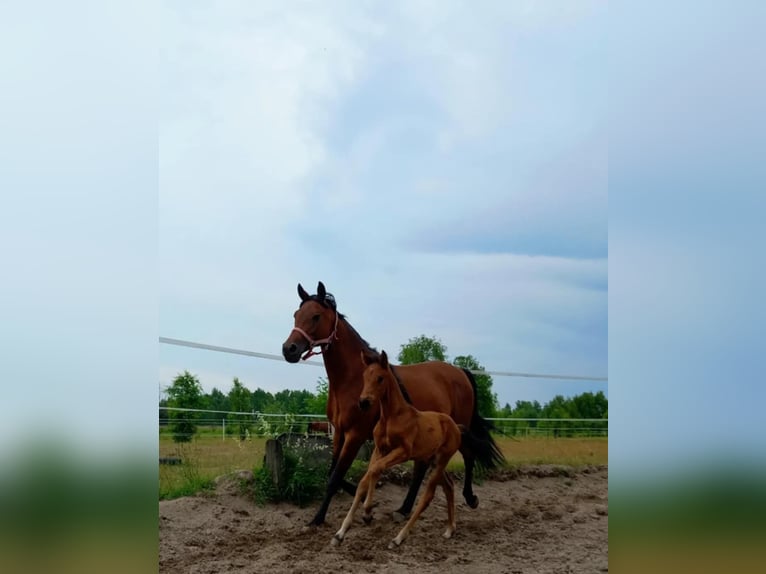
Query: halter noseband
323	343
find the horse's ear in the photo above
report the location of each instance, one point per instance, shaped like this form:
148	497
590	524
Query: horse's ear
383	360
321	291
366	359
302	293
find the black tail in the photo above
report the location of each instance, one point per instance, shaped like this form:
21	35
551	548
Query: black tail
478	438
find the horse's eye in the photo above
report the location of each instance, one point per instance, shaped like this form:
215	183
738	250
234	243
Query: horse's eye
315	318
380	380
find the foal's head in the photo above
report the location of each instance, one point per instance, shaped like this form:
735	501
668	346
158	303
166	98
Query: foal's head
315	321
376	377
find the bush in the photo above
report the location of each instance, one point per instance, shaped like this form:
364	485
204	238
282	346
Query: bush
305	480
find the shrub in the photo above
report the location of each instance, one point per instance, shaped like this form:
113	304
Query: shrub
305	479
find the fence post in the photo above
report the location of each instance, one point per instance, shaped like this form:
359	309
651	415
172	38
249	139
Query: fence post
274	461
223	429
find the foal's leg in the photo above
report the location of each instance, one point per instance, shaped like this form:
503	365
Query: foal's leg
425	500
449	492
338	538
374	471
418	473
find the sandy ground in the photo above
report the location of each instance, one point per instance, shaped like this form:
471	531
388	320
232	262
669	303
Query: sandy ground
539	519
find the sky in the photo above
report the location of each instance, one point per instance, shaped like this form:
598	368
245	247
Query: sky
443	171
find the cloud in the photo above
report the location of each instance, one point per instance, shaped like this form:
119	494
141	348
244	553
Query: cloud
559	210
411	163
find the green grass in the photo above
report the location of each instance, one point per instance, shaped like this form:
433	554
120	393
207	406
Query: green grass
209	456
203	459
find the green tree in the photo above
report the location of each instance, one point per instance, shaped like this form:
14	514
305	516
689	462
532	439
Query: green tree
558	408
261	400
486	400
290	401
522	410
421	349
240	401
318	403
164	414
216	401
185	392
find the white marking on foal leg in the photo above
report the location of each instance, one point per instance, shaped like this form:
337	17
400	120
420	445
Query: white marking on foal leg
449	492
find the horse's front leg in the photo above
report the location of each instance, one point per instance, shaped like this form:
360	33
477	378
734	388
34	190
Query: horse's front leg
350	446
376	455
337	445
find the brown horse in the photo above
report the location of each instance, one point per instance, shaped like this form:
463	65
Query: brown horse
403	433
431	386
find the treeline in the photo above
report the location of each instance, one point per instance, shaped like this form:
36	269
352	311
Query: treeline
241	399
583	406
186	392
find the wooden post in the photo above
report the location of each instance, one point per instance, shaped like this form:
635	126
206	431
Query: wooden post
274	460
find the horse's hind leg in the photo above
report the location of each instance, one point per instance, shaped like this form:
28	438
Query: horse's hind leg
470	461
418	473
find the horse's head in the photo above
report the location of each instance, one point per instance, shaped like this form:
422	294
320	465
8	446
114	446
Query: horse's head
375	378
315	323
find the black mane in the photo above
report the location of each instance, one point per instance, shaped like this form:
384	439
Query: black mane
401	385
328	302
367	347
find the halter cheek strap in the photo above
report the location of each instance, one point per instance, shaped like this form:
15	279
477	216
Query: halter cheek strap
323	343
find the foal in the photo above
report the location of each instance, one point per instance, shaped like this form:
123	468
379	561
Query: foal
403	433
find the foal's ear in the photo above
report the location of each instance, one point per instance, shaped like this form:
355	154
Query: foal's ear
366	359
383	360
302	293
321	292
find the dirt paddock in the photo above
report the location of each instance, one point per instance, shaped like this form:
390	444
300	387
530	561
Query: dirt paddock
538	519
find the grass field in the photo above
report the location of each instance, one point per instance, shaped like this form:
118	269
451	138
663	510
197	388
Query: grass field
209	456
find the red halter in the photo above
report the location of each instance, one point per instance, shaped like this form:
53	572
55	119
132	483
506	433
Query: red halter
323	343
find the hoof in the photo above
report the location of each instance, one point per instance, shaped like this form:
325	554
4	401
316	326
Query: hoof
473	502
393	544
367	519
313	525
398	517
335	540
447	534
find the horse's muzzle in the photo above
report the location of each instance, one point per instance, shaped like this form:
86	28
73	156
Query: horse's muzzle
292	352
364	404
